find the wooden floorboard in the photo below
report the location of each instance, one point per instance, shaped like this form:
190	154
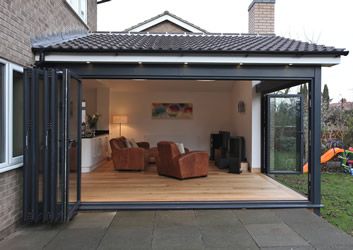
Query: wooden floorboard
106	184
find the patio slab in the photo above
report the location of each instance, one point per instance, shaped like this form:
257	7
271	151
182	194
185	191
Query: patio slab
275	235
189	229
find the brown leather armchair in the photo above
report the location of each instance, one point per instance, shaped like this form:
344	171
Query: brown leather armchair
171	163
125	158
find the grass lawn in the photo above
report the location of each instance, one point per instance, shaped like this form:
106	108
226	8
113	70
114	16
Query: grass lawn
336	193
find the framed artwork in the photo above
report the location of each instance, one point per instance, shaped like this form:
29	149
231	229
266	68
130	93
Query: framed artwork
241	107
172	110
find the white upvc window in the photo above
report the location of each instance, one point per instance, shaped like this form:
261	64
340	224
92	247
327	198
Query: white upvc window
11	116
80	7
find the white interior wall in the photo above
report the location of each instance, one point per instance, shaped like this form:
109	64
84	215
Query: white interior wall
211	113
90	96
97	101
215	108
241	122
256	128
103	108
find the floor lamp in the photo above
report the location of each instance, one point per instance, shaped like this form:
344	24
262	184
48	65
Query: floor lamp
119	119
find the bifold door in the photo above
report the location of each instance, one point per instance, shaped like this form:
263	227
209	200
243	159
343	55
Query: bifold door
52	145
284	134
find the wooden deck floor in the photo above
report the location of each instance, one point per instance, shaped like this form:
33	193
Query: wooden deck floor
106	184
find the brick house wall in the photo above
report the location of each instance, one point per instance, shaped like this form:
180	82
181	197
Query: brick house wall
22	22
166	26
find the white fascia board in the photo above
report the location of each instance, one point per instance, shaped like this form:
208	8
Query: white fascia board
269	60
166	18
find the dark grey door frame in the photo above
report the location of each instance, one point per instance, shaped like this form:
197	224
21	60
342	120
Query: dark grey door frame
276	73
46	120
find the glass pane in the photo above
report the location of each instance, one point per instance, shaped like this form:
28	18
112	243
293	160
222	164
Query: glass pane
17	114
2	113
40	137
284	129
73	139
60	152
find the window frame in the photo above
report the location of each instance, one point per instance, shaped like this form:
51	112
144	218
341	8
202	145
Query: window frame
4	164
10	162
77	8
18	159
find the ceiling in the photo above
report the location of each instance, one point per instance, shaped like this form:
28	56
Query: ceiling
160	85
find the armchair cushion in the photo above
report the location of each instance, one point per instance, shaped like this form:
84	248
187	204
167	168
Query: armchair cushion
181	148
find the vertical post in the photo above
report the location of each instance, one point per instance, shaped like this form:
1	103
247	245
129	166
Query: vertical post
315	128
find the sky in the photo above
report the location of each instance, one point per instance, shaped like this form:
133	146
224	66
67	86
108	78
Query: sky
320	21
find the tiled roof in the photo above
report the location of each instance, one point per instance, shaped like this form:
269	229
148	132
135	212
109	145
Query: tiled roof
189	43
163	14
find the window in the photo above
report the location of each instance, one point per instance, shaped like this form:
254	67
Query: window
80	7
17	113
11	116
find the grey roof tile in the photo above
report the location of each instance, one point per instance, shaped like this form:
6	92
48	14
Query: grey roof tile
140	42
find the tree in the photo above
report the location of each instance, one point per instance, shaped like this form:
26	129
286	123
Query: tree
325	98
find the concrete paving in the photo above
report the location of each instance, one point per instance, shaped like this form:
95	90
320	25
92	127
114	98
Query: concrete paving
188	229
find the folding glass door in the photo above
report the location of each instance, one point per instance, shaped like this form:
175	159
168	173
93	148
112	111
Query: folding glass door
52	145
284	134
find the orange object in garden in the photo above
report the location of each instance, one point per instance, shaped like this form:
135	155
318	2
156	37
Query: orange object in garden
327	156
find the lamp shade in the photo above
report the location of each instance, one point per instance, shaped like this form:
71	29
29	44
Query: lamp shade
119	119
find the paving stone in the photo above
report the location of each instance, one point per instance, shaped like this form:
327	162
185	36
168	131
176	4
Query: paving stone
336	247
288	248
295	216
135	218
177	237
275	235
322	234
92	220
257	216
133	237
216	217
231	248
227	236
202	229
175	218
29	239
82	238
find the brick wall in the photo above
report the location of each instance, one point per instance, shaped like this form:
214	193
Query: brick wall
92	15
10	201
262	17
166	26
21	22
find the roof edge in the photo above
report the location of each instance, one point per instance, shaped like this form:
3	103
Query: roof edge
165	13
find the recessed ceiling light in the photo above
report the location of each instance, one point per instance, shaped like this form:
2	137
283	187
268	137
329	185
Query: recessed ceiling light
88	62
138	79
186	63
140	63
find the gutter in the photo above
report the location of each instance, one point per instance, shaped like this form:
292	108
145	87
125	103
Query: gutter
214	59
103	1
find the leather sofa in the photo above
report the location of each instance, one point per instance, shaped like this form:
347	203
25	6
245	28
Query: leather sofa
128	158
172	163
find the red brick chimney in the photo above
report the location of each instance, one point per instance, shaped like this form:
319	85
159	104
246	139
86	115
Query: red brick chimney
262	16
